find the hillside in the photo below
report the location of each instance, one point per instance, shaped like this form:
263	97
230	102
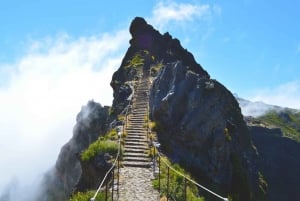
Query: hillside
275	133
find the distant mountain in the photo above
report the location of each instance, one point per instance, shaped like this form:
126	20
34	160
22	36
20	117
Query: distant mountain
271	116
276	135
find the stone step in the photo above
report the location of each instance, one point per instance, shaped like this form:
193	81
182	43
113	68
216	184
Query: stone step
136	159
137	118
142	138
137	115
139	147
140	102
136	132
137	164
139	110
137	123
135	129
133	143
136	136
131	151
134	154
139	141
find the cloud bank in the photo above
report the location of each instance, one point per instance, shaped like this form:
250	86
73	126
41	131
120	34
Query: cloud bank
166	12
285	95
43	92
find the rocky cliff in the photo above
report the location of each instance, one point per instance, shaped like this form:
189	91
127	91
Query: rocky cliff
59	183
276	135
199	122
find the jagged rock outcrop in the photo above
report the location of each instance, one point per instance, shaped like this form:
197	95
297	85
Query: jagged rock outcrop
279	161
90	123
153	48
93	171
276	135
200	125
200	122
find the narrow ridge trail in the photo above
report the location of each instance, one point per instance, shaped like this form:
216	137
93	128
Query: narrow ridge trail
137	173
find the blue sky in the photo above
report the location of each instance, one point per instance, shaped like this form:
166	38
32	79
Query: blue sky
57	55
251	46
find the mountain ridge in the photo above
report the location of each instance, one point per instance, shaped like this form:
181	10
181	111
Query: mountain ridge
199	124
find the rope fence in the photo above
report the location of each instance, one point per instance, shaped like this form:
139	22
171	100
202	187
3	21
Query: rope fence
115	164
186	179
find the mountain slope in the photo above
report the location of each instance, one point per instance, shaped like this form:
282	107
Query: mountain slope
275	133
199	122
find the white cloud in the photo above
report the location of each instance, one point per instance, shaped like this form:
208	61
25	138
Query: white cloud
286	95
166	11
44	91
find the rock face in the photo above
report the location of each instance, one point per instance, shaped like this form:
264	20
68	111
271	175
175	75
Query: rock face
199	122
60	182
279	161
276	135
153	48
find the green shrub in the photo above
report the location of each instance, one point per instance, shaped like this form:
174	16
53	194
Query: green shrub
227	134
136	61
112	134
86	196
176	183
106	146
156	68
121	117
155	126
289	129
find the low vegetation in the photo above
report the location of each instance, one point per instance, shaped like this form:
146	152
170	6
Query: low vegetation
227	134
176	183
86	196
136	61
100	146
105	144
156	68
288	121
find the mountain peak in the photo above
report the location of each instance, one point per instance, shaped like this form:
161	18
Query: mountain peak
138	25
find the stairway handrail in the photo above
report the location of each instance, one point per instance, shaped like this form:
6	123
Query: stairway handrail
189	179
112	167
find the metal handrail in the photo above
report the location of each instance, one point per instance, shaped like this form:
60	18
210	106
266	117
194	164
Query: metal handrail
189	179
112	167
116	159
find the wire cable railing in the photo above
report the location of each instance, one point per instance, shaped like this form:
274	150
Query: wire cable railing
169	167
116	162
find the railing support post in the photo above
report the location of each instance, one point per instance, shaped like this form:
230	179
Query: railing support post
185	187
118	176
113	181
168	182
154	162
106	189
159	174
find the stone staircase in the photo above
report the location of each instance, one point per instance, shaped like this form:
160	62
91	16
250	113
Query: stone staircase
136	144
137	173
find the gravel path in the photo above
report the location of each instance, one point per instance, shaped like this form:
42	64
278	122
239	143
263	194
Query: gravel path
136	185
